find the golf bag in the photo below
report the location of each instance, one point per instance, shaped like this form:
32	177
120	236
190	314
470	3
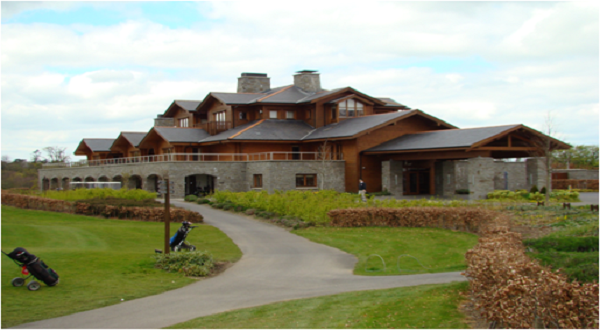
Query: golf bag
34	266
178	242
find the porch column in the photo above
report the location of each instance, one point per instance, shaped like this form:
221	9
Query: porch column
391	176
480	178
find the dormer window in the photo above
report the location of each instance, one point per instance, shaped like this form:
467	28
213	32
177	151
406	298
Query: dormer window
183	122
351	108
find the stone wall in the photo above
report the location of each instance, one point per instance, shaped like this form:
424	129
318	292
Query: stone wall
232	176
392	176
510	175
578	174
160	121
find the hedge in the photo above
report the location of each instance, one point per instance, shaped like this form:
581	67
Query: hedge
455	218
512	291
108	211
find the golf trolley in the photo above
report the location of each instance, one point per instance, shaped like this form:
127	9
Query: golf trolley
31	266
177	242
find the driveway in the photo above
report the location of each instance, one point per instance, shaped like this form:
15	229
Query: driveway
275	266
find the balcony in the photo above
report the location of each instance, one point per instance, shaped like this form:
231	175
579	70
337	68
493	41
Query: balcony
204	157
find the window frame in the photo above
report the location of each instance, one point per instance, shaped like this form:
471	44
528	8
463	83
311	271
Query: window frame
258	180
184	122
344	110
304	180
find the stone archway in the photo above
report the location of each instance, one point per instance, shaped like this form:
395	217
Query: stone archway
152	182
66	183
89	179
199	184
103	178
54	184
119	178
45	184
135	182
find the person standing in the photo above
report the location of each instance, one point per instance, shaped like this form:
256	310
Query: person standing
362	190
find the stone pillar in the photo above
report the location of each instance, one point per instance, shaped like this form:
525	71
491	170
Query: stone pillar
448	178
391	176
536	173
480	178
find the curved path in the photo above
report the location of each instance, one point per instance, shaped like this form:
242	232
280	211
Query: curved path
275	266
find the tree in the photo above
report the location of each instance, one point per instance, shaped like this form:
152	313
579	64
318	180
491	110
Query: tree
324	154
545	145
585	157
36	156
56	154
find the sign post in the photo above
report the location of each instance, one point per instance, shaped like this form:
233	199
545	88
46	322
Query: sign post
164	188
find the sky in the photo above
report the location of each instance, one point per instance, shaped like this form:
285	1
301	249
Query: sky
74	70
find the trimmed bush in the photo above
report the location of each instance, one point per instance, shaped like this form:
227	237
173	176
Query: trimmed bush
194	263
462	191
514	292
190	198
203	201
250	211
456	218
99	208
564	244
533	189
543	191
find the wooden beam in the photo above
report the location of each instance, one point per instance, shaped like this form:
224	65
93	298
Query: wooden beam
508	148
437	156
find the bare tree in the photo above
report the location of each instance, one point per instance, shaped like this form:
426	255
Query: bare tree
56	154
545	145
36	156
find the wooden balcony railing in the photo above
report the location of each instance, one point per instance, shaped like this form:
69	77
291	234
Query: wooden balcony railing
204	157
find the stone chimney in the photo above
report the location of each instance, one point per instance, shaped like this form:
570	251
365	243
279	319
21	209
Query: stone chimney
253	83
308	81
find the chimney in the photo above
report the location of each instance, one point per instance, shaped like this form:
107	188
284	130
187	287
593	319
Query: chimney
308	81
253	83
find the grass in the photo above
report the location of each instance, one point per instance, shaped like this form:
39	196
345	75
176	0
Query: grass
99	261
423	307
436	250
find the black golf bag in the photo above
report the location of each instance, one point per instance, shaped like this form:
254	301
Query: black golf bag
177	242
34	266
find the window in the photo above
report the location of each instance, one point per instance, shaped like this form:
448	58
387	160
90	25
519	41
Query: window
183	122
351	108
167	150
243	115
290	115
257	180
273	114
307	114
220	116
334	111
306	180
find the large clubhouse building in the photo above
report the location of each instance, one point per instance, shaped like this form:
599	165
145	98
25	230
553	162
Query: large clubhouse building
304	137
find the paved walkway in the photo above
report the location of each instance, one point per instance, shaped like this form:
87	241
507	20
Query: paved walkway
275	266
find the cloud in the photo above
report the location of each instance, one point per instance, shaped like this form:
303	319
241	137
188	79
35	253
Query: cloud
516	62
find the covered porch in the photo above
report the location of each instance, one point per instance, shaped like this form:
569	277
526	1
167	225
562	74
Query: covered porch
461	163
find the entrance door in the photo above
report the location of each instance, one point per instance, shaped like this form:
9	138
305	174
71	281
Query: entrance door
416	182
190	187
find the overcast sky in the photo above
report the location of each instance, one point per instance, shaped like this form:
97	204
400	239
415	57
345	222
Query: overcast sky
73	70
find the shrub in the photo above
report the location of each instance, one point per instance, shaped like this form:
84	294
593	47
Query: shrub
190	198
79	194
217	205
515	292
227	207
203	201
459	218
533	189
543	191
240	208
462	191
564	244
194	263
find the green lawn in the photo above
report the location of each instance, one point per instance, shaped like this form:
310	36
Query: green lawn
434	250
423	307
99	261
